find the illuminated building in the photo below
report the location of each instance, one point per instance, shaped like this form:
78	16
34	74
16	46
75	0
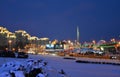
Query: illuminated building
7	38
3	30
43	41
20	40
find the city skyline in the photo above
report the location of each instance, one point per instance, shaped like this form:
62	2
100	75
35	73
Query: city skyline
58	19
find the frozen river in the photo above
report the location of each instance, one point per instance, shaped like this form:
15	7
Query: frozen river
74	69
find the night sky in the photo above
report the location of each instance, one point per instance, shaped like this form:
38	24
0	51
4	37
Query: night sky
58	19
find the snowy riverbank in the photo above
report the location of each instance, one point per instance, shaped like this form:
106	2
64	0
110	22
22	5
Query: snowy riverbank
72	68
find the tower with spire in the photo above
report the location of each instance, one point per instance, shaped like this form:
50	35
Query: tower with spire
78	34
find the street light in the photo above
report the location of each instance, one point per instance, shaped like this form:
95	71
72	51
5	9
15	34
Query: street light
10	42
94	42
112	40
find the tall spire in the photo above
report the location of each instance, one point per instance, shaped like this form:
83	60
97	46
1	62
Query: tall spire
78	34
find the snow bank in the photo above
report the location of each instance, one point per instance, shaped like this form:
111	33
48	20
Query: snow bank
28	68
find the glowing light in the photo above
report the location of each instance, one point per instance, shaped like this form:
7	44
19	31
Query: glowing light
102	48
118	42
10	41
69	41
94	41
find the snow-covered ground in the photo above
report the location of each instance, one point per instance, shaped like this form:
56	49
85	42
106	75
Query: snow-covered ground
72	68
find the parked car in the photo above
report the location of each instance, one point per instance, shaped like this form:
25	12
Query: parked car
97	52
7	54
86	51
21	55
